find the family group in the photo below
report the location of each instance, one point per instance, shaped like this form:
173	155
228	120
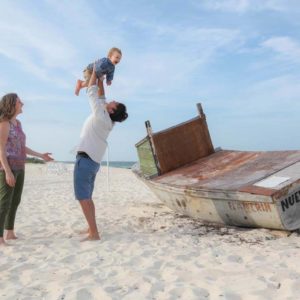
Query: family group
90	150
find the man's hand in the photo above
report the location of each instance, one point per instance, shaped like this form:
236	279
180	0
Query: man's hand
108	82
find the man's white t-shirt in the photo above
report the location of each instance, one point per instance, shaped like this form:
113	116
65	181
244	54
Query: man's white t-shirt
96	127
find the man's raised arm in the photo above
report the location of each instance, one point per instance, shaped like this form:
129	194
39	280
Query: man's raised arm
93	81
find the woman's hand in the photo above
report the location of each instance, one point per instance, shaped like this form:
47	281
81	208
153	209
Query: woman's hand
10	178
46	156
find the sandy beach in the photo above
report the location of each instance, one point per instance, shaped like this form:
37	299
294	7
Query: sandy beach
146	250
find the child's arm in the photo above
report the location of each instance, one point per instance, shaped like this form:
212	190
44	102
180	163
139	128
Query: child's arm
101	91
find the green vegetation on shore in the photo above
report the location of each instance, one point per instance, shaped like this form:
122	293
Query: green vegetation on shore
34	160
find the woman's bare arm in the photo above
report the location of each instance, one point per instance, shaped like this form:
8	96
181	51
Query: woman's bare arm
45	156
4	131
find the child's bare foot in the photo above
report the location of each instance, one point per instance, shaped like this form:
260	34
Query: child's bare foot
10	235
78	87
94	237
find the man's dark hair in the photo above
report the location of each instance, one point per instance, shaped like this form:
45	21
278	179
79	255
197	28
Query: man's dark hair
119	114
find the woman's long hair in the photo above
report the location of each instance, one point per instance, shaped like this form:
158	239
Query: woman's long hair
8	106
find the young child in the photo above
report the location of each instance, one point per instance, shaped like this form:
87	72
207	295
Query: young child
104	66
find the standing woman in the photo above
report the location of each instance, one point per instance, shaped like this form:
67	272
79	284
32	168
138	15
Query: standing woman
13	152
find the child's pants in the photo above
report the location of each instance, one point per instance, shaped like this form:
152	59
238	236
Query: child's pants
87	75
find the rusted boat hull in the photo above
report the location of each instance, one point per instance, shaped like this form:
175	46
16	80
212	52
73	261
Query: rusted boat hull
224	208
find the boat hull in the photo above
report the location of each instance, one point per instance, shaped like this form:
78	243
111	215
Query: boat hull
221	207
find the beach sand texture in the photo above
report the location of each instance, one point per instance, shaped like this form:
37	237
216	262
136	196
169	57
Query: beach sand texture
146	252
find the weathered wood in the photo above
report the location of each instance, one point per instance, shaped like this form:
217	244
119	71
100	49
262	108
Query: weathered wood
152	146
182	144
146	158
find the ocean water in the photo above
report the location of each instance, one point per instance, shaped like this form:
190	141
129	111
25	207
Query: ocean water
119	164
112	164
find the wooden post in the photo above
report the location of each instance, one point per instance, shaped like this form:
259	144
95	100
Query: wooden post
200	110
150	135
206	131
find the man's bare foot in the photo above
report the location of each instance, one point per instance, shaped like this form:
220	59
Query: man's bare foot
95	237
83	231
10	235
78	87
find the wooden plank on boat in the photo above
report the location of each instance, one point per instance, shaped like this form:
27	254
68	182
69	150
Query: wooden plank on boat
146	158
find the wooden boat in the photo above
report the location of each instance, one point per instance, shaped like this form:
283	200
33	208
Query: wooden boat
241	188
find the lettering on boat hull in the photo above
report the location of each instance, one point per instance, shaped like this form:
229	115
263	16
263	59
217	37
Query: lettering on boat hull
248	207
290	201
289	209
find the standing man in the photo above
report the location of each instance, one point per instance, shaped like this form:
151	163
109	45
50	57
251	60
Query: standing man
92	147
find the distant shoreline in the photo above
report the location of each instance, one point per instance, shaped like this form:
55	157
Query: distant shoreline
112	164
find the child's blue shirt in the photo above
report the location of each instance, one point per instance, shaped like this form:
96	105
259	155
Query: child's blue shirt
103	66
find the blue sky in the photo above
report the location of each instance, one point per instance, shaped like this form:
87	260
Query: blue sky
239	58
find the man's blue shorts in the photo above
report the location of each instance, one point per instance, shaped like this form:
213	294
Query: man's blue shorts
85	172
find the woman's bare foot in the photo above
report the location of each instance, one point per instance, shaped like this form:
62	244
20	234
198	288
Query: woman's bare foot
10	235
78	87
2	242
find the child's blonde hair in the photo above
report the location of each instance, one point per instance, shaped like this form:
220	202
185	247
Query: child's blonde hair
112	50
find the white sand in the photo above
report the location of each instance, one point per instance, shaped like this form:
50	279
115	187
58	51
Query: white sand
147	251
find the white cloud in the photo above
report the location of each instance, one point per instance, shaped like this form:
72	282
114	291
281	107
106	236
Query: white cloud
273	96
166	67
92	28
52	98
283	90
3	82
242	6
228	5
286	48
34	44
39	47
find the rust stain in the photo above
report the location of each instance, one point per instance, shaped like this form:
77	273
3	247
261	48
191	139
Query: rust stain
257	190
231	170
284	191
